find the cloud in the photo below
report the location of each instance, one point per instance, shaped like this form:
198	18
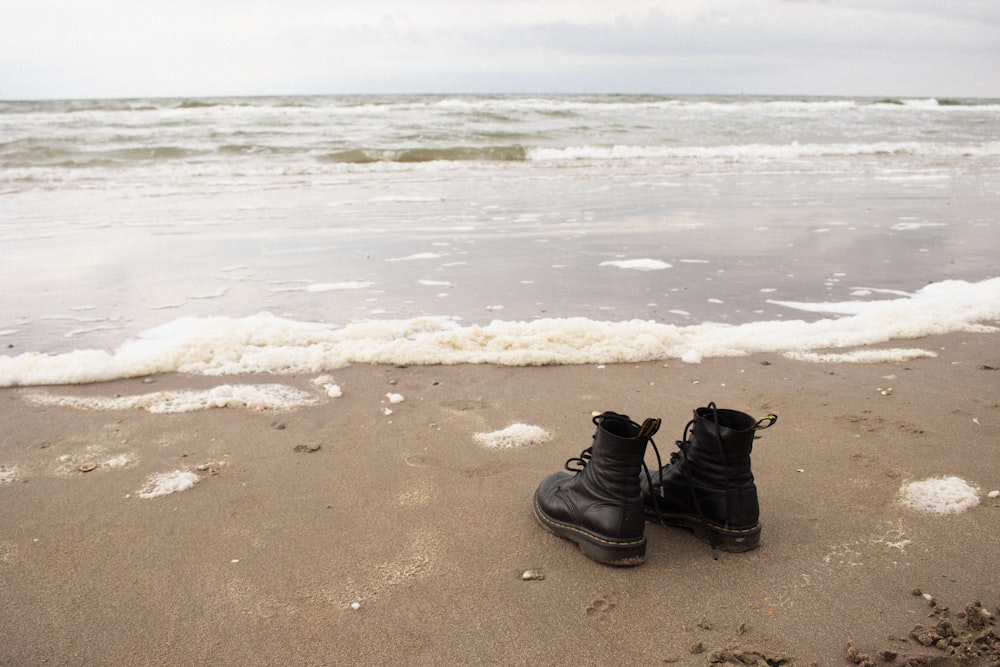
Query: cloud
119	47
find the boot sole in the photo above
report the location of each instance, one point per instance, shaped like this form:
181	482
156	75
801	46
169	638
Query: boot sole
733	540
619	553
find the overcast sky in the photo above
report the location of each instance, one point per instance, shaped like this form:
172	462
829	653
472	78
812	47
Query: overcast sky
131	48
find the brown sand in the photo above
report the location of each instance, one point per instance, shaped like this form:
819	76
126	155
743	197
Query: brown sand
430	533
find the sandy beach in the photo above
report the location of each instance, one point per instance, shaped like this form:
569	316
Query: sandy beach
340	534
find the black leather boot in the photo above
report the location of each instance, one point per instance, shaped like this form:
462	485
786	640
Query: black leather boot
708	486
600	506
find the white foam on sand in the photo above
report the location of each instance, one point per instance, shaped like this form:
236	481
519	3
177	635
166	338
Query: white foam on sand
515	435
940	495
269	344
254	397
888	355
165	483
119	461
638	264
332	389
7	475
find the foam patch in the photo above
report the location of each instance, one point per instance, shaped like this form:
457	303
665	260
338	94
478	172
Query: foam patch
327	383
862	356
254	397
515	435
940	495
7	475
165	483
638	264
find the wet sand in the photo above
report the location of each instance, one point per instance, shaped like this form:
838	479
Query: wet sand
298	515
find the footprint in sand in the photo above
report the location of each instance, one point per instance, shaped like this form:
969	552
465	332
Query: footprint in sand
599	606
420	460
419	494
418	559
8	551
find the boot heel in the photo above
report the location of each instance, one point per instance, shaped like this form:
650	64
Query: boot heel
619	553
613	553
724	539
733	541
618	556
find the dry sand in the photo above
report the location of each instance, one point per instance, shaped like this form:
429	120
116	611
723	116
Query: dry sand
429	532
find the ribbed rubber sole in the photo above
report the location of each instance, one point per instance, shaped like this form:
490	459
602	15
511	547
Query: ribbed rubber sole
734	540
619	553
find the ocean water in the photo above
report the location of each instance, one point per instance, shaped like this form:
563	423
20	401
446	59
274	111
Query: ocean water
306	233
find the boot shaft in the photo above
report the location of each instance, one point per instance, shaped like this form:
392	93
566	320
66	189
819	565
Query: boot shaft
720	444
616	455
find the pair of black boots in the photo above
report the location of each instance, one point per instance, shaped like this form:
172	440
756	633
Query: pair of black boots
707	487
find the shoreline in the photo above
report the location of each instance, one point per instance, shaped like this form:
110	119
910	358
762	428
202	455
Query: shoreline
296	515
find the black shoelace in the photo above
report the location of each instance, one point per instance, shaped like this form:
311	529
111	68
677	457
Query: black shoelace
646	430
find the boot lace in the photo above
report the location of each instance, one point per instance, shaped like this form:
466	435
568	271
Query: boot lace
578	463
646	430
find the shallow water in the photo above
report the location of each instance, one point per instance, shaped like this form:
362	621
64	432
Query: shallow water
128	215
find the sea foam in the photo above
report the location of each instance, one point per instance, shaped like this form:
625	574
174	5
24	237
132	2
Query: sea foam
165	483
265	343
940	495
259	397
515	435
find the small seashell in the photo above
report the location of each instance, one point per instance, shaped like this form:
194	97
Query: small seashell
87	467
532	575
355	606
